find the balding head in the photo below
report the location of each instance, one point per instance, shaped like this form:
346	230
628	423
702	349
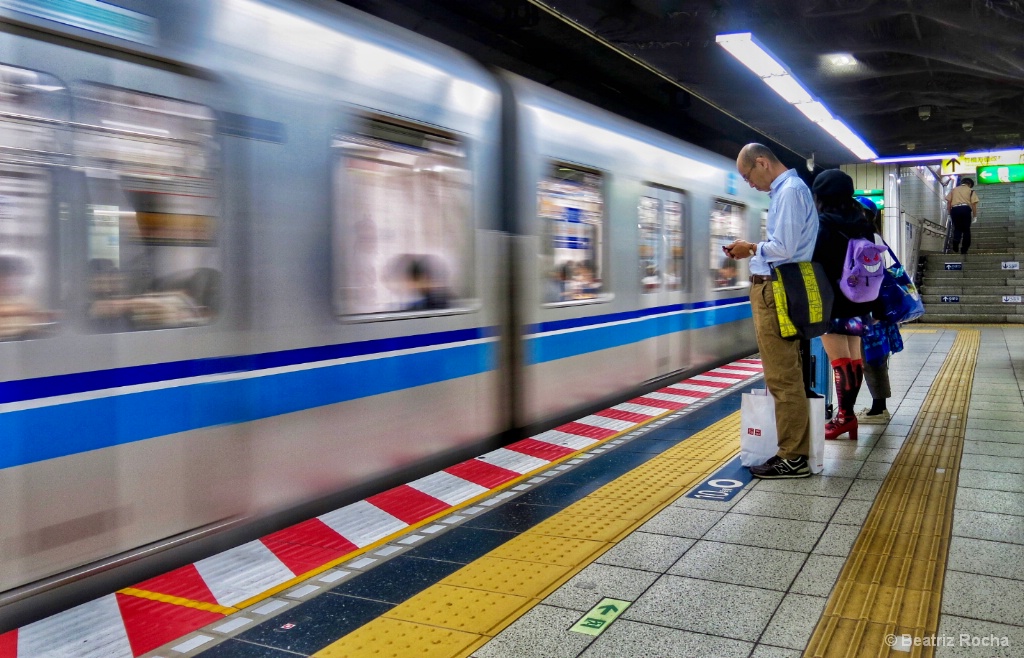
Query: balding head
753	151
758	166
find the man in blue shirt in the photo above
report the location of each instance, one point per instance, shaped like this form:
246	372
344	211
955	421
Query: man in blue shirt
791	232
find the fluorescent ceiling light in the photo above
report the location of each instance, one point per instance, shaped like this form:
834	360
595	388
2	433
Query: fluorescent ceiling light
777	75
915	158
815	111
754	57
787	87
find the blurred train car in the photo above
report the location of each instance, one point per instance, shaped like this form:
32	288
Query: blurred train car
258	252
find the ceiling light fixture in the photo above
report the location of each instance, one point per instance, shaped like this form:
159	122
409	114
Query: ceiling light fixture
842	59
777	75
934	157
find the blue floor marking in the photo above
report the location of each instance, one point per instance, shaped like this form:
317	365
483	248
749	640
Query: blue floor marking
723	484
353	603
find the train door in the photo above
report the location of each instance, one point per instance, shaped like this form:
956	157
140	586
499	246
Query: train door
153	289
662	274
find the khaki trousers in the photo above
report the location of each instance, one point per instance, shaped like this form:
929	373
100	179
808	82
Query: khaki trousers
783	374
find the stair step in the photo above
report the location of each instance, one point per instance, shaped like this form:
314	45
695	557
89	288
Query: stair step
975	292
943	318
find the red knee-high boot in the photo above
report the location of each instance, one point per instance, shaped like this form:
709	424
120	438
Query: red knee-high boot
845	374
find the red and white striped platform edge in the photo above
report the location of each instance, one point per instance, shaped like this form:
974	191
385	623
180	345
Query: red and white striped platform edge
139	619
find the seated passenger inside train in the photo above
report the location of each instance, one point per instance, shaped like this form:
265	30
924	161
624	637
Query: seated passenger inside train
20	316
583	284
425	281
183	299
726	275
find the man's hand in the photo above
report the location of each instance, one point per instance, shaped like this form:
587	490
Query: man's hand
740	249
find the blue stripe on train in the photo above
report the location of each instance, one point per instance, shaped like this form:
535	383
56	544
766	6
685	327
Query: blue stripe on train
540	349
33	435
42	387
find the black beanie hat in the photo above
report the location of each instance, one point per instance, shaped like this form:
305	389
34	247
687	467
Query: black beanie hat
833	183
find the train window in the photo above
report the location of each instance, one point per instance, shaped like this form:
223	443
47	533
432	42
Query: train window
661	251
153	259
675	254
33	118
402	221
650	244
571	207
727	224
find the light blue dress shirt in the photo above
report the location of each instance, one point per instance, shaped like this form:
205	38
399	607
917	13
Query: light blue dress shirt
792	225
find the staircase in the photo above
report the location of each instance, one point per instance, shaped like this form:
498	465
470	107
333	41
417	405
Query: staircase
982	292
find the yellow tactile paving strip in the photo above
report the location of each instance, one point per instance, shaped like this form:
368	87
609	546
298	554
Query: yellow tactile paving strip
465	610
891	585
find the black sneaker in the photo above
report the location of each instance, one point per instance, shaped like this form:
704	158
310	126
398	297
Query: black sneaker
779	468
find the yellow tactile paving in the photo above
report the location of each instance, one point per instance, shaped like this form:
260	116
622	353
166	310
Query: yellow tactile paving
614	508
460	608
579	526
489	594
392	638
891	584
508	576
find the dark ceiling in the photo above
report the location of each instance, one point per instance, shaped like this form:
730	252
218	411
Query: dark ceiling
657	62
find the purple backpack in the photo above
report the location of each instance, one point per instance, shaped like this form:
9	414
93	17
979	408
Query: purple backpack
862	270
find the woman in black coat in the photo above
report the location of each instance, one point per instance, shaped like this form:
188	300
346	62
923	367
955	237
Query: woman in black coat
840	219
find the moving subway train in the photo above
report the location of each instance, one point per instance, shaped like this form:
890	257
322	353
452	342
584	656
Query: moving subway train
255	252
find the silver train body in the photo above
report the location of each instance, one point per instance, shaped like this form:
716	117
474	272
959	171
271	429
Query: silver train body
212	213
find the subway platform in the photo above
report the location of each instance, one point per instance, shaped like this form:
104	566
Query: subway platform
635	532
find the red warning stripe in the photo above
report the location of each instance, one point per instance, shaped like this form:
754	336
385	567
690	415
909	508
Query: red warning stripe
618	414
690	393
705	382
731	375
307	545
539	449
313	532
150	624
661	404
302	558
184	582
590	431
486	475
407	504
9	644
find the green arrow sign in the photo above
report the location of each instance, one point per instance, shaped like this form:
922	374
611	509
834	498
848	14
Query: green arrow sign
600	617
993	174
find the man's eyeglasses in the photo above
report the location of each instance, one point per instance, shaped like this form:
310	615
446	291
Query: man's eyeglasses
746	177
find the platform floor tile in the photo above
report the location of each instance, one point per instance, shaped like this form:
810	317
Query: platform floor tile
540	633
626	638
598	581
702	613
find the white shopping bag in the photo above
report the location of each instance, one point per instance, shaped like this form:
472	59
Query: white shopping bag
759	439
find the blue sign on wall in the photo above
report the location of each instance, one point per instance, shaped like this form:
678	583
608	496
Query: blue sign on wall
730	182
